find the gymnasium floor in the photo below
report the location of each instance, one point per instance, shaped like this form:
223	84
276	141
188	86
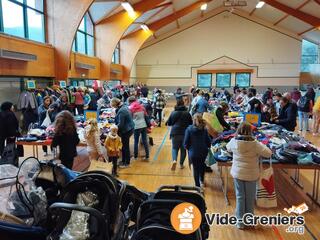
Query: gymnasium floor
150	175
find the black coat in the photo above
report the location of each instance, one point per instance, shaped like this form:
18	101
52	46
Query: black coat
9	125
220	116
179	119
68	146
288	116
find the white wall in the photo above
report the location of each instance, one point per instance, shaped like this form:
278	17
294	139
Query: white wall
174	60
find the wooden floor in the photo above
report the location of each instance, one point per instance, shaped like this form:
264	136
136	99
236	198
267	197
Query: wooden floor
150	175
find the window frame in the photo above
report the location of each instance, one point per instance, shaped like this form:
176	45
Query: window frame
198	74
118	59
236	82
230	74
25	8
317	56
86	34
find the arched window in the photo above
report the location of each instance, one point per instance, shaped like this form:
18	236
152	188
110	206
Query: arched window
23	18
84	39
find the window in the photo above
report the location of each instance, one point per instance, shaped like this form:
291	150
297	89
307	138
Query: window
204	80
310	55
23	18
223	80
116	55
243	79
84	40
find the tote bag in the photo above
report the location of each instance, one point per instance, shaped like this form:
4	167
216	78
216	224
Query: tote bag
266	193
213	121
47	121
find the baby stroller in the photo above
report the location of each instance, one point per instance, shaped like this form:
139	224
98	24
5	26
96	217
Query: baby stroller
101	213
153	220
25	203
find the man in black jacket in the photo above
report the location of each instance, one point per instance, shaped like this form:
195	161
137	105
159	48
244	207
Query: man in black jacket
288	114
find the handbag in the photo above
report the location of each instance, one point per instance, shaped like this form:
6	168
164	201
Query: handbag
266	194
10	155
47	121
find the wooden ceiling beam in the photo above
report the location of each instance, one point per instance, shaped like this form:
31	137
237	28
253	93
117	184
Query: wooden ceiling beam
131	44
110	31
287	15
308	30
307	18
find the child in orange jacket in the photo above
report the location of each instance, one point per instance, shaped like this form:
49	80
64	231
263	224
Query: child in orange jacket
113	145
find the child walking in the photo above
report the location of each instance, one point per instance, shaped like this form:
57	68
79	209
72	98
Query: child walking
66	137
92	135
113	145
245	168
197	142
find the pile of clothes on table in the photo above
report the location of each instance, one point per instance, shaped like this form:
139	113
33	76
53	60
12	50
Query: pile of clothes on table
287	147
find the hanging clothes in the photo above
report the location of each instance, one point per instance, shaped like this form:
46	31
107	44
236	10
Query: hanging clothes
26	100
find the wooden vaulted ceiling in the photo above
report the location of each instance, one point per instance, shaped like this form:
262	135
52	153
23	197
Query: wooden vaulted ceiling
302	17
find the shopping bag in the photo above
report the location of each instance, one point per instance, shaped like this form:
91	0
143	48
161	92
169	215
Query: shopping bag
100	166
213	121
210	160
47	121
10	155
266	193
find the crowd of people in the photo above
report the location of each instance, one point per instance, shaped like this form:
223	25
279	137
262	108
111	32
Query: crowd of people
59	107
189	131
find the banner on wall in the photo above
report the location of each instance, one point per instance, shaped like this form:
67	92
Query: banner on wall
63	84
31	84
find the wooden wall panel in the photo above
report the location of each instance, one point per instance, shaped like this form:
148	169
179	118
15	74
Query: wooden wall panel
116	72
63	18
44	66
76	72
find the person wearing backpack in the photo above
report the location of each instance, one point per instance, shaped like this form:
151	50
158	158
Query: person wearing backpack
305	105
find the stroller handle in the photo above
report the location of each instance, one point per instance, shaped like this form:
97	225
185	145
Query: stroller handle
179	188
91	211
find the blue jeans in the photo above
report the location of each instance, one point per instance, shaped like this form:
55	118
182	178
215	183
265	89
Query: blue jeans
177	144
245	196
143	133
303	121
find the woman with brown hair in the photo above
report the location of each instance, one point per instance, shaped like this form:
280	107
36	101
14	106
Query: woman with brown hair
66	138
197	142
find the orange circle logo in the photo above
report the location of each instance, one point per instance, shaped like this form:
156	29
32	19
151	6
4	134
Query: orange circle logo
186	218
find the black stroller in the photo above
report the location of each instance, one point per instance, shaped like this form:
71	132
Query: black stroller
26	204
153	220
106	205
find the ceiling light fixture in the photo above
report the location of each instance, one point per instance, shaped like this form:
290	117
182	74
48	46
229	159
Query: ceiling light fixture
260	4
127	6
204	7
145	27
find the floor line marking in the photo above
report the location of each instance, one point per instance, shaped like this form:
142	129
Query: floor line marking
161	145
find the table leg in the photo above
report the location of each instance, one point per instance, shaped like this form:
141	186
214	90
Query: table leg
315	188
224	184
296	178
34	150
37	152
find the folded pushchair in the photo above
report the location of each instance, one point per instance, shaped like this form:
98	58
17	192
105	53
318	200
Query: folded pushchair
101	197
153	220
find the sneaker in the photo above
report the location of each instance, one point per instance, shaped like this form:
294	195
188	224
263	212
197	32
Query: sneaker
181	166
45	154
202	185
122	165
146	159
174	165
